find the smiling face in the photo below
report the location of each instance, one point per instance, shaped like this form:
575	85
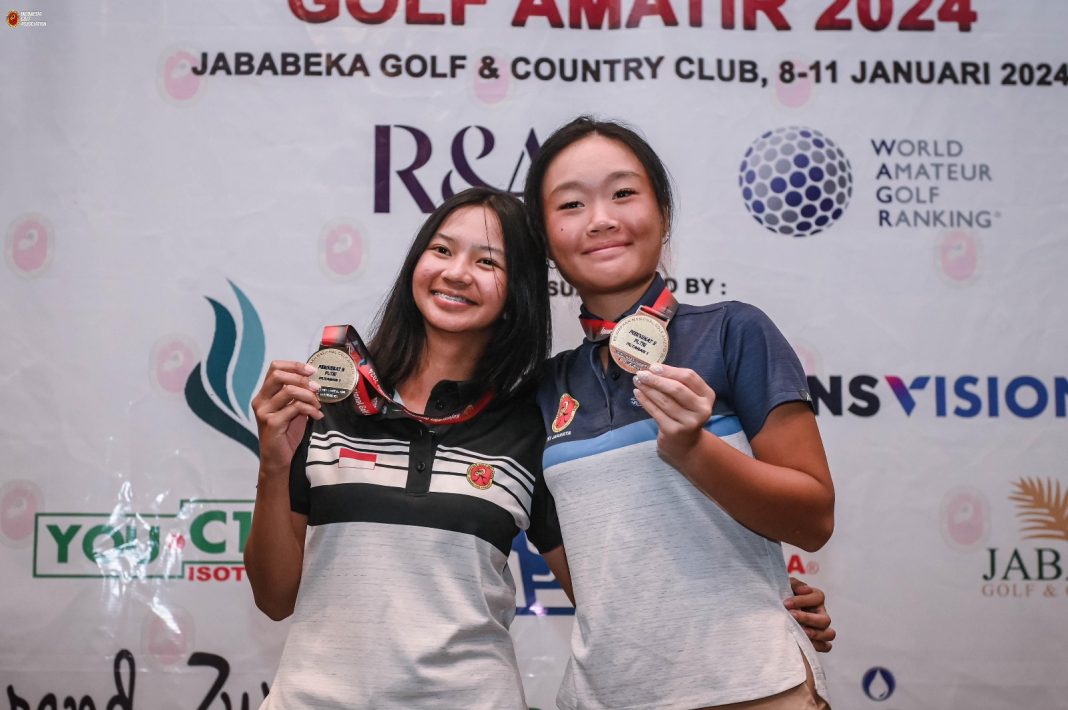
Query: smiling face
603	222
459	283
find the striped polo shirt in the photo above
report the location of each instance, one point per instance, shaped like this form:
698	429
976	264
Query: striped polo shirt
677	604
406	597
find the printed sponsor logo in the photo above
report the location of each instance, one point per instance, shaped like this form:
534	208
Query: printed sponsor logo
795	181
537	593
1032	571
28	246
176	79
203	542
19	502
929	183
173	358
878	684
342	250
219	390
965	518
941	396
957	257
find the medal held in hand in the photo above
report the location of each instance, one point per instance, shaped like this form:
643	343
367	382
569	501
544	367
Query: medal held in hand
336	373
638	341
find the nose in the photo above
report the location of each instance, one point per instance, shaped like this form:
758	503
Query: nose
602	220
457	271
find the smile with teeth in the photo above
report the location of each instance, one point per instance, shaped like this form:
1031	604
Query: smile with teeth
452	298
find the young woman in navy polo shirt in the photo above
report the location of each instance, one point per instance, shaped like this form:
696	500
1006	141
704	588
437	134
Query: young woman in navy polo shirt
673	486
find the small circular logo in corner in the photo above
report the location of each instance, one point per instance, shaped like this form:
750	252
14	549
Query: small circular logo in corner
480	475
342	249
965	518
795	93
168	635
12	19
957	256
490	90
176	79
795	181
20	501
28	246
173	358
878	684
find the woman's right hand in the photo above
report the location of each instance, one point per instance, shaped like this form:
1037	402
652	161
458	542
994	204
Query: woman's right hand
282	407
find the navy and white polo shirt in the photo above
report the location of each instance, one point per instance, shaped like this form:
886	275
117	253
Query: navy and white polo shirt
677	604
406	597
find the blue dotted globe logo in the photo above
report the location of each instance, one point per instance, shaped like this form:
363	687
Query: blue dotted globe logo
795	181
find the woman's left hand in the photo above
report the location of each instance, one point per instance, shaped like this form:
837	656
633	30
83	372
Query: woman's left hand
680	403
807	607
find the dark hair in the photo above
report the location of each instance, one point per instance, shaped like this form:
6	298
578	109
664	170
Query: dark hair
521	337
576	130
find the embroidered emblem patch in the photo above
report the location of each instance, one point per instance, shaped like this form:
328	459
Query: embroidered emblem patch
565	412
480	475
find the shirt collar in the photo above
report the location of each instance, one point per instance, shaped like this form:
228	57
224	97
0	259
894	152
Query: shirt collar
446	397
648	299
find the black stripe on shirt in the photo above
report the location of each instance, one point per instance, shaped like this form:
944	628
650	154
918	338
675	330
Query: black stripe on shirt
369	503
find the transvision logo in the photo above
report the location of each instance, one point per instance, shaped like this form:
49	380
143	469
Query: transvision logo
220	392
204	537
965	396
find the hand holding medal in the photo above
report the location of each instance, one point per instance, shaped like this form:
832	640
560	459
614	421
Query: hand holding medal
680	402
282	407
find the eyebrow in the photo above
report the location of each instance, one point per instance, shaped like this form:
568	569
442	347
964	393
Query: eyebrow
483	247
611	177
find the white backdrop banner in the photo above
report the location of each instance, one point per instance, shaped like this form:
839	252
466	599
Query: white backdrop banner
190	190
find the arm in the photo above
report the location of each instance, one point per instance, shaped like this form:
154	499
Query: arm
784	493
556	558
274	551
806	606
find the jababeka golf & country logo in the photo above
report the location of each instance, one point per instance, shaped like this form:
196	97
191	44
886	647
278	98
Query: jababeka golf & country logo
1025	571
795	181
220	390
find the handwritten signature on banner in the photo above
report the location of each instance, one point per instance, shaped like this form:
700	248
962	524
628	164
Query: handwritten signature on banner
124	669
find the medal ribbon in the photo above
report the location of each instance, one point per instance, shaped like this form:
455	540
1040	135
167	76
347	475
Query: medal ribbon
663	308
369	397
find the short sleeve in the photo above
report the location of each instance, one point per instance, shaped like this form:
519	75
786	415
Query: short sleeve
762	369
299	487
544	530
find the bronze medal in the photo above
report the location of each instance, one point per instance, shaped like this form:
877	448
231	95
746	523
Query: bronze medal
638	341
336	374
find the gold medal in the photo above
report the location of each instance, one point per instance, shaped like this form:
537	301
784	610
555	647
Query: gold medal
638	341
336	374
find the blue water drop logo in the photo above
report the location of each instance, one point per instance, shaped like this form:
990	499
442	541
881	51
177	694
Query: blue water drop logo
219	390
878	684
795	181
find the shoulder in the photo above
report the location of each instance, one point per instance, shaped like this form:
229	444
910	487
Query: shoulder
728	318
